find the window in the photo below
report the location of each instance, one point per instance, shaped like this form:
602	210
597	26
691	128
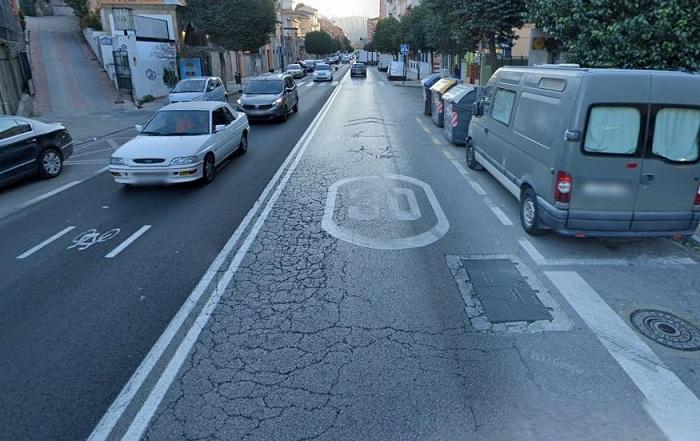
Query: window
503	105
211	86
676	134
536	118
123	19
613	130
218	118
229	116
11	127
8	128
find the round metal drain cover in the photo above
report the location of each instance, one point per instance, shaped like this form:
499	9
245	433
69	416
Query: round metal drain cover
667	329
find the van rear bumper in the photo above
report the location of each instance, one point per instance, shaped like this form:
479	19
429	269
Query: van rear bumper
557	219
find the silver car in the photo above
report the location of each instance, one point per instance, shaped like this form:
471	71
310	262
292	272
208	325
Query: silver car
270	96
198	89
296	71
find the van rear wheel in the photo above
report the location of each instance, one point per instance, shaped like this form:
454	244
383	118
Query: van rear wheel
472	163
529	213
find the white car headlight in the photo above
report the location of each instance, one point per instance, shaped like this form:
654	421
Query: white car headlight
117	161
184	160
278	102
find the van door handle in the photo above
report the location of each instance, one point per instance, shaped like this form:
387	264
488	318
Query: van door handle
648	178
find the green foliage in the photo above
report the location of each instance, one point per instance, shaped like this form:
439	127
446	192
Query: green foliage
387	37
321	43
80	7
656	34
28	7
243	25
91	20
371	47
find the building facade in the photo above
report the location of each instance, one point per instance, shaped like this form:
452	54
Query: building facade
372	27
15	73
396	8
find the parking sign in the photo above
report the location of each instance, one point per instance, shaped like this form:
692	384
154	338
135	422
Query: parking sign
404	48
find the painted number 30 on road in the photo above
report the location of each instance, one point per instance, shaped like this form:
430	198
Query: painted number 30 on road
377	212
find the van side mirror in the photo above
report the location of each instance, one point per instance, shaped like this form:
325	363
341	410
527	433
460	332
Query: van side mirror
572	135
219	128
477	109
139	128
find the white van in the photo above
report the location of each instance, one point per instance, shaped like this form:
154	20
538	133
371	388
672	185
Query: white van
593	152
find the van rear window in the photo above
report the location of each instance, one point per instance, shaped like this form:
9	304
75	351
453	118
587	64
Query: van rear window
676	134
613	130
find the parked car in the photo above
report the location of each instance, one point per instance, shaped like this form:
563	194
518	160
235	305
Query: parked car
182	142
296	71
384	62
198	89
593	152
323	72
32	148
310	65
270	96
358	70
345	59
396	71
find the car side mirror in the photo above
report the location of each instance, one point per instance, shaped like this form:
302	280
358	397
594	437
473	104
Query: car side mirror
290	89
572	135
219	128
477	109
139	128
240	90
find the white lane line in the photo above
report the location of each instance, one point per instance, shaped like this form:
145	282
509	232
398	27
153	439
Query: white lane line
435	140
335	83
450	157
530	249
696	238
47	195
669	402
112	143
51	239
505	220
477	188
107	423
310	84
458	166
100	171
131	239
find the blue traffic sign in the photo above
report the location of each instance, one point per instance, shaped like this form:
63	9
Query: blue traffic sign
404	48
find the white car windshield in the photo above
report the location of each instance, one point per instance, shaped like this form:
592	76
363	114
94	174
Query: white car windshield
293	67
188	86
323	67
178	123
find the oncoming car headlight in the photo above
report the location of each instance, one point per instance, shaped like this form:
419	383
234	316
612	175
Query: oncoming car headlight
278	102
184	160
117	161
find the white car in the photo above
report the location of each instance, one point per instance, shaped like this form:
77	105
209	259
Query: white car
182	142
323	72
295	71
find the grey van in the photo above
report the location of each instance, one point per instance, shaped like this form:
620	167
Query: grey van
593	152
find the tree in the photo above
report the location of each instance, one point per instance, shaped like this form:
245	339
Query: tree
238	25
80	7
387	35
492	21
320	43
657	34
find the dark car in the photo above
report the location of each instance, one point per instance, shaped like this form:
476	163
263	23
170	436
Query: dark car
358	70
32	148
269	96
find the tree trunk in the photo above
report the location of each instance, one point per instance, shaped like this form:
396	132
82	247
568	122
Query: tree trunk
493	61
222	62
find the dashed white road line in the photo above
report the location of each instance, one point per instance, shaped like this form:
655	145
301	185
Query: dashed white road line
48	241
311	84
674	408
46	195
105	426
112	143
435	140
131	239
335	83
477	188
533	252
449	156
505	220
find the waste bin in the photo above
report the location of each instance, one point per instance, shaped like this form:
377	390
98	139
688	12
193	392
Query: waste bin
427	93
438	107
458	111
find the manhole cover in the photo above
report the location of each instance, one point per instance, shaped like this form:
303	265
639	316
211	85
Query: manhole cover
667	329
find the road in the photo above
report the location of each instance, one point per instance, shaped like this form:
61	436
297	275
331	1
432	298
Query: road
75	325
347	279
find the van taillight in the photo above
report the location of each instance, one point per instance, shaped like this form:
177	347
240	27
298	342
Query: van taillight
562	191
697	196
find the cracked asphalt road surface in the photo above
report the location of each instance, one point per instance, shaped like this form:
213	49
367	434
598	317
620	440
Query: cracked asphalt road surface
319	338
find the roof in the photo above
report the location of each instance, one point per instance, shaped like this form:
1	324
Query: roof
572	71
197	78
269	76
194	105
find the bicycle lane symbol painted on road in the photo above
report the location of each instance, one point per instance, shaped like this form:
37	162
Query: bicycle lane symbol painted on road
385	212
91	237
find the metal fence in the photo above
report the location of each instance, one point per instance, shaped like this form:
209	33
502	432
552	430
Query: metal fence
10	28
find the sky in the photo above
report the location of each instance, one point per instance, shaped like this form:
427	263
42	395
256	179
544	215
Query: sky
344	8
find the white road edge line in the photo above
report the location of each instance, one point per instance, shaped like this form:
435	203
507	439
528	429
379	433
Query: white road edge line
131	239
46	242
477	188
505	220
46	195
109	420
673	407
535	255
143	417
696	238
